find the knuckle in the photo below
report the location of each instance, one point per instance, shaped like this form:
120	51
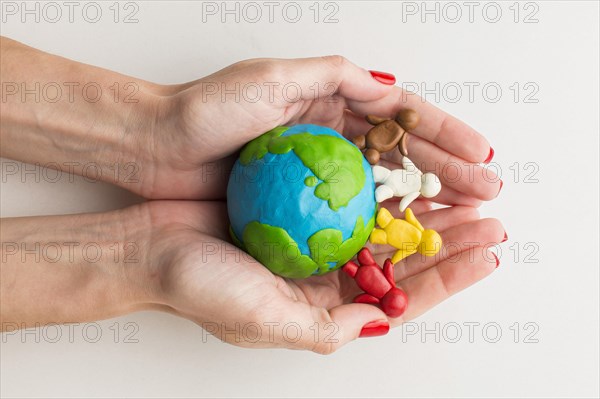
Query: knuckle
245	63
249	63
324	348
336	60
272	70
322	343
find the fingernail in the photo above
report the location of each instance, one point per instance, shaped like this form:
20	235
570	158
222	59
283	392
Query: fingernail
497	260
375	329
500	189
490	156
383	77
505	237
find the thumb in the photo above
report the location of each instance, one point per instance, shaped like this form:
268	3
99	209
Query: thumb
328	330
324	76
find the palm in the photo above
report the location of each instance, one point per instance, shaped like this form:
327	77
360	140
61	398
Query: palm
205	155
204	271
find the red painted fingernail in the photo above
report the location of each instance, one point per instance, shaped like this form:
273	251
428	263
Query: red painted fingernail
500	189
383	77
505	237
490	156
497	260
375	329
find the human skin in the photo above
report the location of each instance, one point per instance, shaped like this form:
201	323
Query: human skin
181	140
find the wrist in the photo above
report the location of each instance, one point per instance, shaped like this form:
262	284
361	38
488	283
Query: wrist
139	267
131	140
150	150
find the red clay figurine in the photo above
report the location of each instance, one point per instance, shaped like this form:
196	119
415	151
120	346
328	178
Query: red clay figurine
379	285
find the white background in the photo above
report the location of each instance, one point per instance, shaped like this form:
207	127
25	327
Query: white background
554	220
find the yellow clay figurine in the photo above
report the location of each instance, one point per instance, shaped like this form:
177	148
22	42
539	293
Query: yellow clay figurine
407	236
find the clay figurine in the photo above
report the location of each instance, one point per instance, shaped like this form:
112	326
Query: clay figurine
379	285
408	183
387	134
407	236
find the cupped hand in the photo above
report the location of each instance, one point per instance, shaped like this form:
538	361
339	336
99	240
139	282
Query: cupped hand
201	125
202	277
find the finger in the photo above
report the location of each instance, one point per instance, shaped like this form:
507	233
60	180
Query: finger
441	219
434	285
447	196
435	126
457	241
323	76
438	220
445	218
325	331
354	125
454	172
418	206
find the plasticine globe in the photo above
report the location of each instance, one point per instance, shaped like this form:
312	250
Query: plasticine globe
301	200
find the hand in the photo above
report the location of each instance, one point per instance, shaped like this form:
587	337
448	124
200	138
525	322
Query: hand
205	122
178	142
175	256
209	281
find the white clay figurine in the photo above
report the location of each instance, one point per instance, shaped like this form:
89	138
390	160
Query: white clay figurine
408	183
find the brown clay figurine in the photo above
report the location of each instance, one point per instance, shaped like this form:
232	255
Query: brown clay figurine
387	134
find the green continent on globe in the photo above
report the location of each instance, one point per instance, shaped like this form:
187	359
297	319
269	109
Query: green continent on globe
326	246
332	159
273	246
311	181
